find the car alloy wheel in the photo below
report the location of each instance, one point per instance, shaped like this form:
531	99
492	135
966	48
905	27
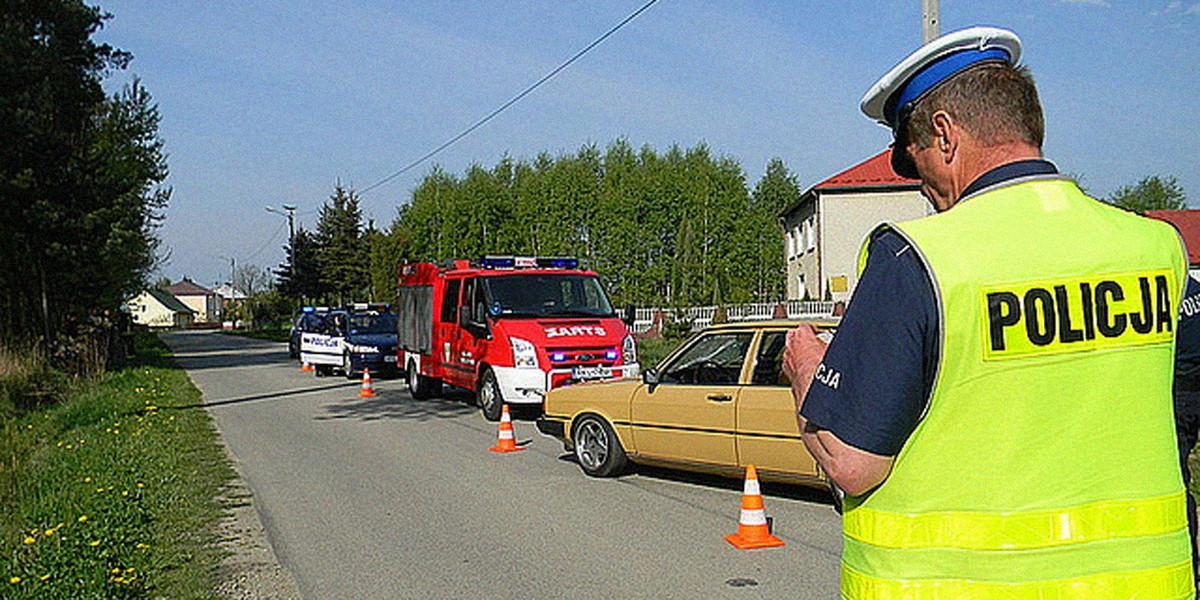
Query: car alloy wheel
597	448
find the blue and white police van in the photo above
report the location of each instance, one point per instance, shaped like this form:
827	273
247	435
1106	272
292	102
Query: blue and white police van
353	338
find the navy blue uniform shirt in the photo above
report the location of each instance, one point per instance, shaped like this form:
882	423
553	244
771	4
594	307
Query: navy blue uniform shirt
878	371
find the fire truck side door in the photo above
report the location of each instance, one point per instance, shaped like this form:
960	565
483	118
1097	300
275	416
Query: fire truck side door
463	349
448	332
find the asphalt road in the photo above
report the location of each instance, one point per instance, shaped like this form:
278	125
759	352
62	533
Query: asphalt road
388	497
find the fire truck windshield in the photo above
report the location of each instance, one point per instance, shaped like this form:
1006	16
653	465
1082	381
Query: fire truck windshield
372	322
546	295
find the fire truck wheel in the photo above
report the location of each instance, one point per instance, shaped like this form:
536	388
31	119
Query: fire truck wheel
490	401
420	386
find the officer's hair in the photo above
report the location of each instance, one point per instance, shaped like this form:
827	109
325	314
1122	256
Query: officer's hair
995	102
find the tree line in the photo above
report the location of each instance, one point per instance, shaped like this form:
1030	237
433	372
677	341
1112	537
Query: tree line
81	171
678	227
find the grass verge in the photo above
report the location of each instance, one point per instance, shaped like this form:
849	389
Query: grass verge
111	491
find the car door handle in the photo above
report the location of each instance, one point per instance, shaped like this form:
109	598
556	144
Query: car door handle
719	397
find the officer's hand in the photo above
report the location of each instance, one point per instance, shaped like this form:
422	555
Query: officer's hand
802	354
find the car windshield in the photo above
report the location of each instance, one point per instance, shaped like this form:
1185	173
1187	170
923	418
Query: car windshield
546	295
372	322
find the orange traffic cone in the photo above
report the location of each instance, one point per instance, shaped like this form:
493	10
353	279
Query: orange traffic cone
507	441
367	390
753	531
305	367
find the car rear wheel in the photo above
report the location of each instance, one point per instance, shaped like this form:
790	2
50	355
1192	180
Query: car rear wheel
489	398
597	448
420	386
347	366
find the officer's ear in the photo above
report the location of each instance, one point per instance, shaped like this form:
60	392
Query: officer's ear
947	135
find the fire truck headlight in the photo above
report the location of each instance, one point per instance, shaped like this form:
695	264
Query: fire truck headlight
524	353
629	350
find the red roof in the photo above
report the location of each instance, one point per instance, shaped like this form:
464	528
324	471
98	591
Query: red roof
1188	224
187	287
873	172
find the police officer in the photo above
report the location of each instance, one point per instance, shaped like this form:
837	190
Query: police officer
996	402
1187	393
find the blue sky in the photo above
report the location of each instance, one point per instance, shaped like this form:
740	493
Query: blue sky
270	103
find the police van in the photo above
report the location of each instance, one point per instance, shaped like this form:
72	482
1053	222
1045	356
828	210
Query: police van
352	339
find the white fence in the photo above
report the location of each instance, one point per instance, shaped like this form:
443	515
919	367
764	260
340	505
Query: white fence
702	316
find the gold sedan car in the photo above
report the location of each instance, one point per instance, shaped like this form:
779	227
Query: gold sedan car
717	403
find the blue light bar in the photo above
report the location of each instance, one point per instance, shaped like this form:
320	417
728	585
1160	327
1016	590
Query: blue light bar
558	262
610	354
309	309
498	262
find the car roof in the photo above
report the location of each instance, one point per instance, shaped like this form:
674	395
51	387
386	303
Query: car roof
820	322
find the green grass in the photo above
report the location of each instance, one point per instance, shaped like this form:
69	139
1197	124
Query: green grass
110	492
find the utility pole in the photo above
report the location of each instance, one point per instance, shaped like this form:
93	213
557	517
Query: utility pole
931	22
291	217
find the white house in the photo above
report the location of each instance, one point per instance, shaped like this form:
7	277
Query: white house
204	301
158	308
824	231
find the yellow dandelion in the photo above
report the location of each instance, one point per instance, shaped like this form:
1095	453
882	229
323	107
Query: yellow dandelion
14	580
94	543
118	580
82	519
29	427
130	570
34	531
87	479
140	485
49	532
142	546
124	492
60	444
151	408
99	490
30	540
69	446
45	577
116	571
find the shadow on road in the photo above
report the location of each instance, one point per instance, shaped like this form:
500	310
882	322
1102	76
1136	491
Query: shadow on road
269	395
769	488
395	405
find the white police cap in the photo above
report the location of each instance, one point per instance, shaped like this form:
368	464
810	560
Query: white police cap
934	63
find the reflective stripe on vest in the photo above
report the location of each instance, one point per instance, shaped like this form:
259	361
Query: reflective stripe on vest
1173	583
1035	529
1045	464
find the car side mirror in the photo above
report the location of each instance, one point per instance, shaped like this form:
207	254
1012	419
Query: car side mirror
650	378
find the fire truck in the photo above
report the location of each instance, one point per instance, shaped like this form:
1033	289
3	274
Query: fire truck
508	328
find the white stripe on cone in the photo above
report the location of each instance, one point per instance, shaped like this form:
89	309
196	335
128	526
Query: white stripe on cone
753	517
751	488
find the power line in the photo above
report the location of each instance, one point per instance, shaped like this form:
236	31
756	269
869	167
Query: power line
513	101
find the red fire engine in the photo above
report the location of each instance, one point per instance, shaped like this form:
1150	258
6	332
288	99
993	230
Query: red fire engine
508	328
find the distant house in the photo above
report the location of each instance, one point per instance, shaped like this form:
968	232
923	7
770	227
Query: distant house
158	308
204	301
1188	224
824	231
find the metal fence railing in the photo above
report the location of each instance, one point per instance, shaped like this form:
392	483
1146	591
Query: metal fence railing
699	317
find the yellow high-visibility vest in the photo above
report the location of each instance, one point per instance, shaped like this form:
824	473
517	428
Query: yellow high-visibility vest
1045	466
